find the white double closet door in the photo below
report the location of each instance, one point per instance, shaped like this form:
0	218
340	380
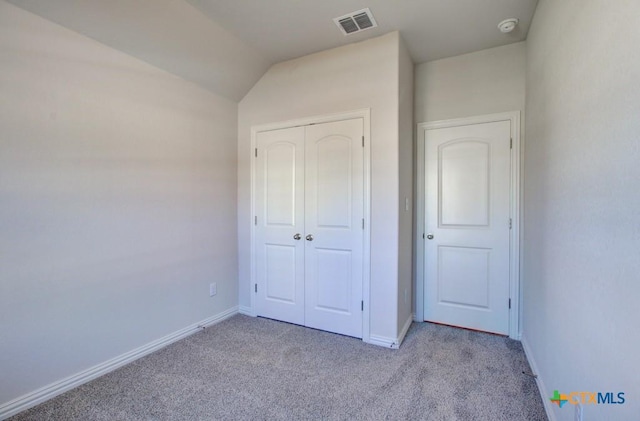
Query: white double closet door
309	202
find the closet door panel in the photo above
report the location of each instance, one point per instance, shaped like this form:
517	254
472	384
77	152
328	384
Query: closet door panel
334	207
279	203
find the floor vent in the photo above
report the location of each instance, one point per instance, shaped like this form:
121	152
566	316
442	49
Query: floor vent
356	22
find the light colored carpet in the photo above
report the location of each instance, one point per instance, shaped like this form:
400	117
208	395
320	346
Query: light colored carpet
256	369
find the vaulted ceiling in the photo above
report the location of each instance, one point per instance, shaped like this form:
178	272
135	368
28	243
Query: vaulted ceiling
227	45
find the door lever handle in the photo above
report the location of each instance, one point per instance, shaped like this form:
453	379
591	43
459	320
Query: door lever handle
309	237
297	237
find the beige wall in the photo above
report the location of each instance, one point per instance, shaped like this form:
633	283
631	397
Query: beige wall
582	200
485	82
362	75
405	200
118	203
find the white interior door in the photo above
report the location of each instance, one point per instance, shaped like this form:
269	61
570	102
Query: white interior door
467	170
279	203
334	233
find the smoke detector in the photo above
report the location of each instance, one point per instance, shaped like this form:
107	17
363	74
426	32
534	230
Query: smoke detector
508	25
356	22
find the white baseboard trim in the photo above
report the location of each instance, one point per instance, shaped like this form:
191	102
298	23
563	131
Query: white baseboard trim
45	393
544	392
393	343
383	341
246	310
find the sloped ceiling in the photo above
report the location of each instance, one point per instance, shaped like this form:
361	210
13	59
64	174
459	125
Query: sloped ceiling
169	34
227	45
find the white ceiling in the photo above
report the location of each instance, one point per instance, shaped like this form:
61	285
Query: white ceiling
432	29
227	45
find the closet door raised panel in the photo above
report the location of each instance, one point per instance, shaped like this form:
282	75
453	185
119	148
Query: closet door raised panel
467	222
279	201
334	205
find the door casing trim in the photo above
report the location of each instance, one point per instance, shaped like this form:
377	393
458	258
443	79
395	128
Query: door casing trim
365	114
514	211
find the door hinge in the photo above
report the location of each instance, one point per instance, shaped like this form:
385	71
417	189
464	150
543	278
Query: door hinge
362	223
511	143
256	152
255	287
510	223
363	141
255	220
509	302
361	305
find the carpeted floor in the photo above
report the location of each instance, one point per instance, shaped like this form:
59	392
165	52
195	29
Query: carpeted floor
256	369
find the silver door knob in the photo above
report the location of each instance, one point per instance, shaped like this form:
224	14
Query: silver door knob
429	236
309	237
297	237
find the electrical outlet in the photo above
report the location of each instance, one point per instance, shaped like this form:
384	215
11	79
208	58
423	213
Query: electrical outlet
578	412
213	289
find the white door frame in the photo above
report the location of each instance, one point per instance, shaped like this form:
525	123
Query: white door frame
365	114
514	211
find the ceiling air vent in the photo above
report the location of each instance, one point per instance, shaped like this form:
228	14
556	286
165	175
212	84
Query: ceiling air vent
356	22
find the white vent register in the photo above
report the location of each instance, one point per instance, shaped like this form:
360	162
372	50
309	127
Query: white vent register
356	22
